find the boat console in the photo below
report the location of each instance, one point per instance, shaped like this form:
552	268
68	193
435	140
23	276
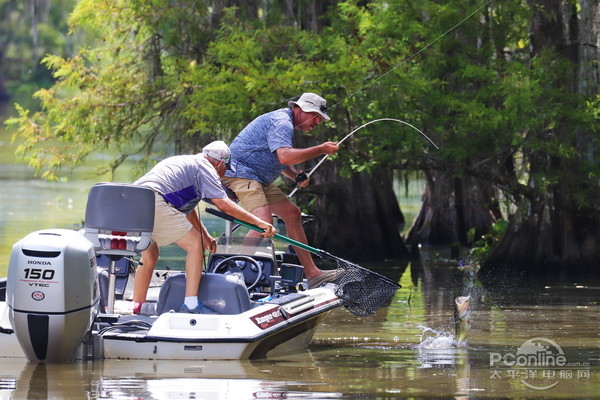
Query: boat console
260	265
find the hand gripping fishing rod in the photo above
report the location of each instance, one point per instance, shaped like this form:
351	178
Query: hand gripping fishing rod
308	174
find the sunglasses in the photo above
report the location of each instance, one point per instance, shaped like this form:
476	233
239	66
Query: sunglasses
322	108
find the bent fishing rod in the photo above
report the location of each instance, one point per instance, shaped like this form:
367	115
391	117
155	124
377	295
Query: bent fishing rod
307	175
304	176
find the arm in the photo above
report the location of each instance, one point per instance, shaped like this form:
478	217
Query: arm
290	172
210	243
237	212
290	156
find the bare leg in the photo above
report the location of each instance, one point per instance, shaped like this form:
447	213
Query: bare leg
192	244
291	215
143	274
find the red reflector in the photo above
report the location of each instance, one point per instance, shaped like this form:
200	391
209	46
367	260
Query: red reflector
118	244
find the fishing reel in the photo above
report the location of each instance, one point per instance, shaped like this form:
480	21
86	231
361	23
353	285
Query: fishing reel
301	177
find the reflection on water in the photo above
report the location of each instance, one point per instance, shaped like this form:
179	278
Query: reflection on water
404	350
385	355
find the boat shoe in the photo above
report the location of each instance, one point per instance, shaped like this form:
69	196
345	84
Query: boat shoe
199	309
319	280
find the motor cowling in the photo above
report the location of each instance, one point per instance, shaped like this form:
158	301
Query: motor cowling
52	293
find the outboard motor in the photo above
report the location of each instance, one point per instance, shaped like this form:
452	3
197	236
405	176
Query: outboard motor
52	293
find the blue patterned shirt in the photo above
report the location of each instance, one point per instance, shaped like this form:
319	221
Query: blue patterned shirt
253	151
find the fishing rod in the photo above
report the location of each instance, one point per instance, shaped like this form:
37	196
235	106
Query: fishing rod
378	78
308	174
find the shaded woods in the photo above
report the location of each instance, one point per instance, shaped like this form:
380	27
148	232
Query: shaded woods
508	90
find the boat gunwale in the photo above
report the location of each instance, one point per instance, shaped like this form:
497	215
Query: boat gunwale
320	309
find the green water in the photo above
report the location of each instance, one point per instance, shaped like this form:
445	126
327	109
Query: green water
29	204
383	356
404	350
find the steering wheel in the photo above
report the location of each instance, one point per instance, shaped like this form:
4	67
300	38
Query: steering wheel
229	265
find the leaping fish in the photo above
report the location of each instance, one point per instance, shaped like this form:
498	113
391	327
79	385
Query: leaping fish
462	318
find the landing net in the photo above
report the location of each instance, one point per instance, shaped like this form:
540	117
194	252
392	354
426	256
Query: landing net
362	291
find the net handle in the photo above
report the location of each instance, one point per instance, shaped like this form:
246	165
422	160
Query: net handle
319	252
301	245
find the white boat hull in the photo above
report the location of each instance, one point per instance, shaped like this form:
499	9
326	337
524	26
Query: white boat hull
254	306
206	349
268	330
264	331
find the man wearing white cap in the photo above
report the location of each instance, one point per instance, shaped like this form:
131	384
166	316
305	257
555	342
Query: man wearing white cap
180	182
261	152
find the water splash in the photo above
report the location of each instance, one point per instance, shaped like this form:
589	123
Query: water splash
470	266
437	349
432	339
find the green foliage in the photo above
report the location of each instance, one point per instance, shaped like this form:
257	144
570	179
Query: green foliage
157	77
28	31
112	96
481	247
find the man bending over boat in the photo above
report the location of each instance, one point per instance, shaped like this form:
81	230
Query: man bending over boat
180	182
261	152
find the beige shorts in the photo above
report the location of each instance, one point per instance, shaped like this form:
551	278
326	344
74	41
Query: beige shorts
253	194
170	225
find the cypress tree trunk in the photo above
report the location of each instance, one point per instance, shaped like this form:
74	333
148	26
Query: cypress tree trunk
451	207
559	235
3	93
357	218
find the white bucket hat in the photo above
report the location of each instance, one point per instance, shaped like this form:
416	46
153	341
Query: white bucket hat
310	102
219	151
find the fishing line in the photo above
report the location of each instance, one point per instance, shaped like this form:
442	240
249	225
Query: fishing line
375	80
308	174
414	55
385	74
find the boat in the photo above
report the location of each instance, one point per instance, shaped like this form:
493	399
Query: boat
68	294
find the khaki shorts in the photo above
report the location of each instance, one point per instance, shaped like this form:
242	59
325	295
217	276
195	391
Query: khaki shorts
170	225
253	194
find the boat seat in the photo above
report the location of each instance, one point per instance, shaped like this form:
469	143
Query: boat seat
119	219
223	294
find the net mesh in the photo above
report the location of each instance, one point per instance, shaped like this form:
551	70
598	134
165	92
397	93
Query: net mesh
362	291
